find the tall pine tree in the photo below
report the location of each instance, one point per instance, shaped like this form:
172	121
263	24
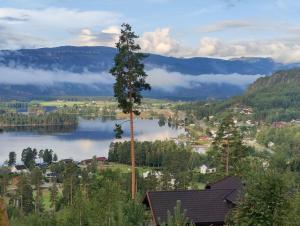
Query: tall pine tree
130	82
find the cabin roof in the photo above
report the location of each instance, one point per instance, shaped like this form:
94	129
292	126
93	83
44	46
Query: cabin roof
99	159
205	207
230	182
20	167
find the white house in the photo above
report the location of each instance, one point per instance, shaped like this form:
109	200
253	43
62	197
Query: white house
203	169
19	169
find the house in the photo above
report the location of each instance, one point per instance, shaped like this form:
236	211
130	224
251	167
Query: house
203	169
100	161
19	169
278	125
203	207
157	174
66	161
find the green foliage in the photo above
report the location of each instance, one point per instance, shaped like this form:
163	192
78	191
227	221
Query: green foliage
36	180
273	98
286	145
264	202
153	154
45	119
12	158
70	182
28	157
48	156
53	195
25	195
293	213
118	131
129	71
178	217
228	148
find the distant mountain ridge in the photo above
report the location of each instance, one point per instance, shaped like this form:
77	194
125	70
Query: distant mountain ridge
100	59
96	59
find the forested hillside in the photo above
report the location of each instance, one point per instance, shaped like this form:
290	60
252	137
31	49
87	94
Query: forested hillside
272	98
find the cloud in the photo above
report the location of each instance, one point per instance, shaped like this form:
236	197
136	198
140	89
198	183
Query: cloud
169	81
286	50
106	37
159	41
224	25
158	78
56	25
14	19
30	76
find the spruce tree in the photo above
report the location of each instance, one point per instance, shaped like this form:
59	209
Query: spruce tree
12	158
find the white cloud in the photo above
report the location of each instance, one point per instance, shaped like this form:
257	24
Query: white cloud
224	25
159	41
56	25
106	37
168	81
285	50
158	78
30	76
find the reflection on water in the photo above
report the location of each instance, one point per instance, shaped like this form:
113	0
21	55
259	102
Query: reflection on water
91	137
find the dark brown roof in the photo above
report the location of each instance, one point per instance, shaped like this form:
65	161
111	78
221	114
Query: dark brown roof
207	206
20	167
203	207
230	182
98	159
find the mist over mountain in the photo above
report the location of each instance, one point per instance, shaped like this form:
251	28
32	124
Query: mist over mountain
83	71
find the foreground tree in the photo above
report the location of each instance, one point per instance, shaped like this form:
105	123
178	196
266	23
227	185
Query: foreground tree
130	82
265	201
178	218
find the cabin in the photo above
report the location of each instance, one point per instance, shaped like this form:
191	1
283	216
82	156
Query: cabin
66	161
100	162
203	207
18	169
203	169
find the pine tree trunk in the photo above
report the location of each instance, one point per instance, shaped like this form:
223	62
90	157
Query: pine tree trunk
132	153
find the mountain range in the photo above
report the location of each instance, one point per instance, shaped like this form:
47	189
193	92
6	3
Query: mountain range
83	71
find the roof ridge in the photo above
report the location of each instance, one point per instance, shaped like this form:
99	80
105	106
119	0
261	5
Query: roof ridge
195	190
222	179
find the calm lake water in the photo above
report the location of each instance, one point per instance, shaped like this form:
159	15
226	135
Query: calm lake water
91	137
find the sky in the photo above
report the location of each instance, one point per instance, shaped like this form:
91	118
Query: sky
211	28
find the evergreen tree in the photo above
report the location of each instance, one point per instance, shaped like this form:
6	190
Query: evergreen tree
130	82
264	201
25	195
36	180
12	158
70	182
227	149
53	195
41	154
28	157
178	218
48	156
55	158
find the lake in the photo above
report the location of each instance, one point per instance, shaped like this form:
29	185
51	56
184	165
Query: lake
91	137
